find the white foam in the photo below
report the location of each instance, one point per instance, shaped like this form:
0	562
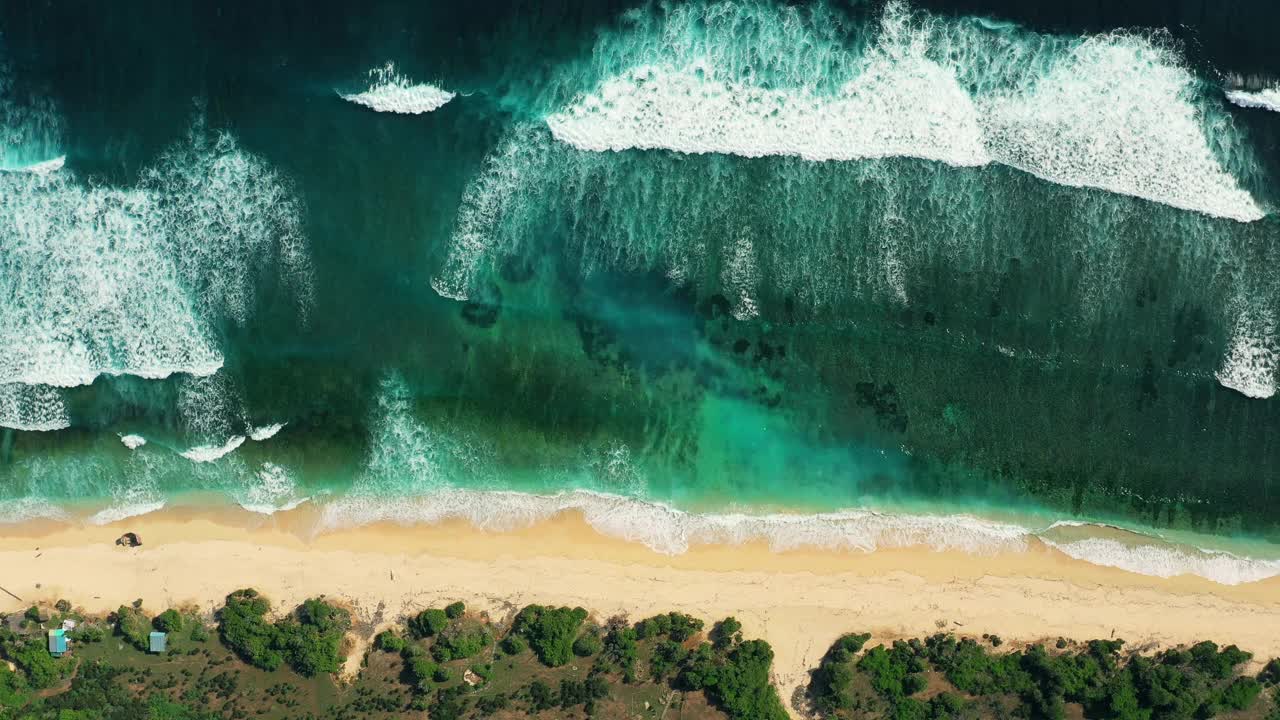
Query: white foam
109	281
265	432
1169	561
115	513
1253	357
32	407
740	278
392	92
672	531
272	491
28	508
1265	99
1114	112
31	127
42	167
509	171
133	442
209	453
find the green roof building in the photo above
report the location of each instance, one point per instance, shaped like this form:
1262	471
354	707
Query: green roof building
158	641
57	642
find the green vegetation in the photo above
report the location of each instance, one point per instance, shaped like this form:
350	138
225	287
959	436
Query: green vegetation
970	681
550	631
428	622
455	610
661	667
169	621
134	626
309	640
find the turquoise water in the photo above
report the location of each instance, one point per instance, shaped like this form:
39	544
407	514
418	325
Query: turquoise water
852	276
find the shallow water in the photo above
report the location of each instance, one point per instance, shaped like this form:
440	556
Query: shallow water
836	275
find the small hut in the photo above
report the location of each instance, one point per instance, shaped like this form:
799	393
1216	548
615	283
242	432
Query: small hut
158	641
57	642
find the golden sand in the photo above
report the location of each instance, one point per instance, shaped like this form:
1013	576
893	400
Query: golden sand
799	601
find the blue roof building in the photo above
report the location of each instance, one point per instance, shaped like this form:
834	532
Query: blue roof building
57	642
158	641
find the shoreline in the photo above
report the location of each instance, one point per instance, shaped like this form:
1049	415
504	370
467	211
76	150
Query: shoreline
799	600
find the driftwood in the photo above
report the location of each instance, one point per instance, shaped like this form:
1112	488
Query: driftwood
15	597
129	540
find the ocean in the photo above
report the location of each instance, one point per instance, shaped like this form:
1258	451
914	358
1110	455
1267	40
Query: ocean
850	275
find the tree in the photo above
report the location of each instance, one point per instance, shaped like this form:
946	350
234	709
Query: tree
389	641
587	645
168	621
428	622
244	630
726	633
132	624
550	631
42	669
743	690
514	644
455	610
311	640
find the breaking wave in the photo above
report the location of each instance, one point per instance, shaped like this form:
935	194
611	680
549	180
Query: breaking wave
98	280
1170	561
926	88
389	91
133	442
272	490
209	453
266	432
1253	357
1264	99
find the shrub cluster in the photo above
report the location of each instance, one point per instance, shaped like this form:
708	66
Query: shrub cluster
1198	682
550	631
309	640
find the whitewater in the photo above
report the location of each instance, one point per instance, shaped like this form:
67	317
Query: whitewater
1115	112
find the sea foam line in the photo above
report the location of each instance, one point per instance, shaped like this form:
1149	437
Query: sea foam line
671	531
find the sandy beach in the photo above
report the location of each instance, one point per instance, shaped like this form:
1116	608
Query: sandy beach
800	601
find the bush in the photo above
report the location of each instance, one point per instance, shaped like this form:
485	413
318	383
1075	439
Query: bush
514	645
726	633
244	630
550	631
311	640
449	704
87	633
420	671
677	626
1271	672
456	642
587	645
63	606
1241	693
455	610
132	624
442	675
847	646
168	621
620	651
428	622
389	641
41	669
743	690
34	614
199	632
541	697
